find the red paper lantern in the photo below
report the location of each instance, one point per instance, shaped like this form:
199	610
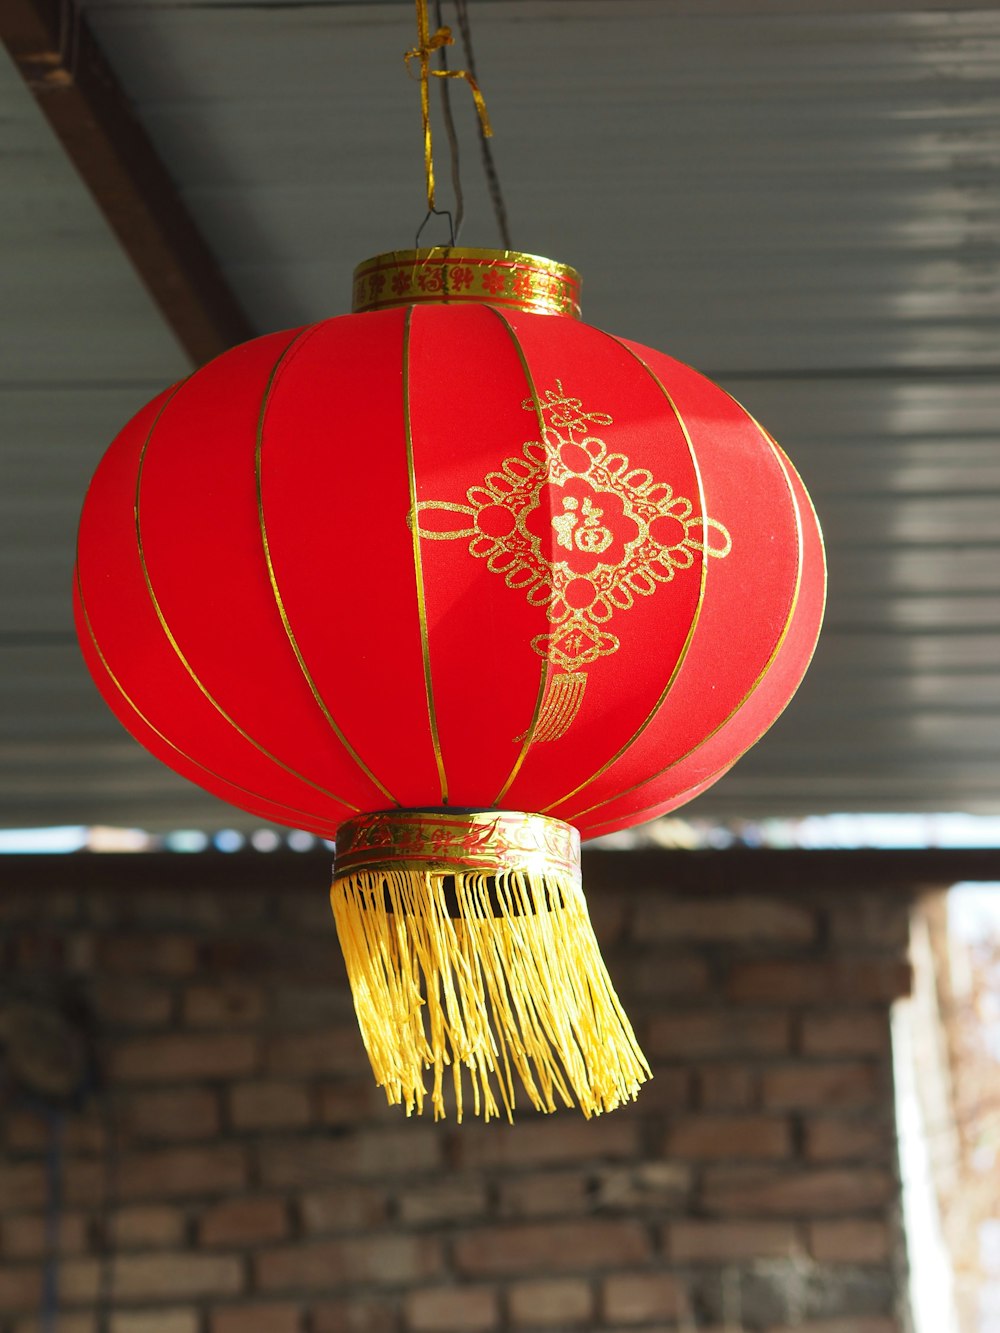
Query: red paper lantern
459	552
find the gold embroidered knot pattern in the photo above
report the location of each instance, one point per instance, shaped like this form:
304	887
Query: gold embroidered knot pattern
577	529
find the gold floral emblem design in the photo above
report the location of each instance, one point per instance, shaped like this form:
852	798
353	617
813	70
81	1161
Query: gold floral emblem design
578	530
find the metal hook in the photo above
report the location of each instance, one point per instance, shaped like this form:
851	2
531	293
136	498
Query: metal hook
440	213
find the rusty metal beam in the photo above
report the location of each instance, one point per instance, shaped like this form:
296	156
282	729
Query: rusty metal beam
54	48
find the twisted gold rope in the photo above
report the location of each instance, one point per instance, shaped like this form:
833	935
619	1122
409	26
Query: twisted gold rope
428	43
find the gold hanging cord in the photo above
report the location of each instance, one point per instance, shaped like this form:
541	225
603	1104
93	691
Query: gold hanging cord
429	43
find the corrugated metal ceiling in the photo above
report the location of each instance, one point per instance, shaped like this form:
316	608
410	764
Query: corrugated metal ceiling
801	200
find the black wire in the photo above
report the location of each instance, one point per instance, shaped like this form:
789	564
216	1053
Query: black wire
489	165
436	213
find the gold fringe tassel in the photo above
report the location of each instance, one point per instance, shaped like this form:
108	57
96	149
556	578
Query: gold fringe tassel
490	974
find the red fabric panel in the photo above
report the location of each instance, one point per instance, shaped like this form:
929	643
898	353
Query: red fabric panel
336	498
465	424
716	755
639	462
135	645
749	592
161	748
201	534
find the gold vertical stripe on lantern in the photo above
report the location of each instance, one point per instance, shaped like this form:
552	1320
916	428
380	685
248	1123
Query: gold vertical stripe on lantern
472	958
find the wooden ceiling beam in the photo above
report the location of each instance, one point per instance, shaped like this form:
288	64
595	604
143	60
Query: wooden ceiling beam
55	50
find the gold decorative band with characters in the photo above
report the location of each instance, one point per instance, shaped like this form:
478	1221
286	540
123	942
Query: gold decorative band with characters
472	958
507	279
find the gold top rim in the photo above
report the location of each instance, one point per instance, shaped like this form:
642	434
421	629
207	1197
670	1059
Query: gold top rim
489	841
460	275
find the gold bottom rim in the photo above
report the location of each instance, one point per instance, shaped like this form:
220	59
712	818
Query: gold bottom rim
449	842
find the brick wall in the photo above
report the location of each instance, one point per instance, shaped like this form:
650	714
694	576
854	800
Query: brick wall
238	1172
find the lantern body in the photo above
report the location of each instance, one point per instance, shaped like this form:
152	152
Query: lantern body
448	560
448	556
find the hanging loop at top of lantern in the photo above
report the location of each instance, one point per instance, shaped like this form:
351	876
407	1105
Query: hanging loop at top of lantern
429	42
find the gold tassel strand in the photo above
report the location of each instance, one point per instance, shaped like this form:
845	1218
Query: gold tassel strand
485	961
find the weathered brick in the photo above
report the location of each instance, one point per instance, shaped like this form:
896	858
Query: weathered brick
670	1089
831	1140
276	1317
849	981
369	1153
357	1315
22	905
871	921
854	1324
311	911
173	1113
384	1171
706	1032
641	974
24	1237
66	1321
292	1163
719	1136
833	1085
453	1199
270	1105
37	951
608	916
243	1221
300	1008
147	1226
452	1309
854	1241
850	1032
20	1287
349	1207
175	1172
551	1303
22	1185
180	1276
131	1004
349	1100
246	956
641	1186
544	1142
729	920
175	1320
752	1191
143	955
544	1194
82	1134
233	1004
172	1059
382	1260
79	1281
558	1246
162	907
333	1050
724	1086
730	1242
85	1182
642	1298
